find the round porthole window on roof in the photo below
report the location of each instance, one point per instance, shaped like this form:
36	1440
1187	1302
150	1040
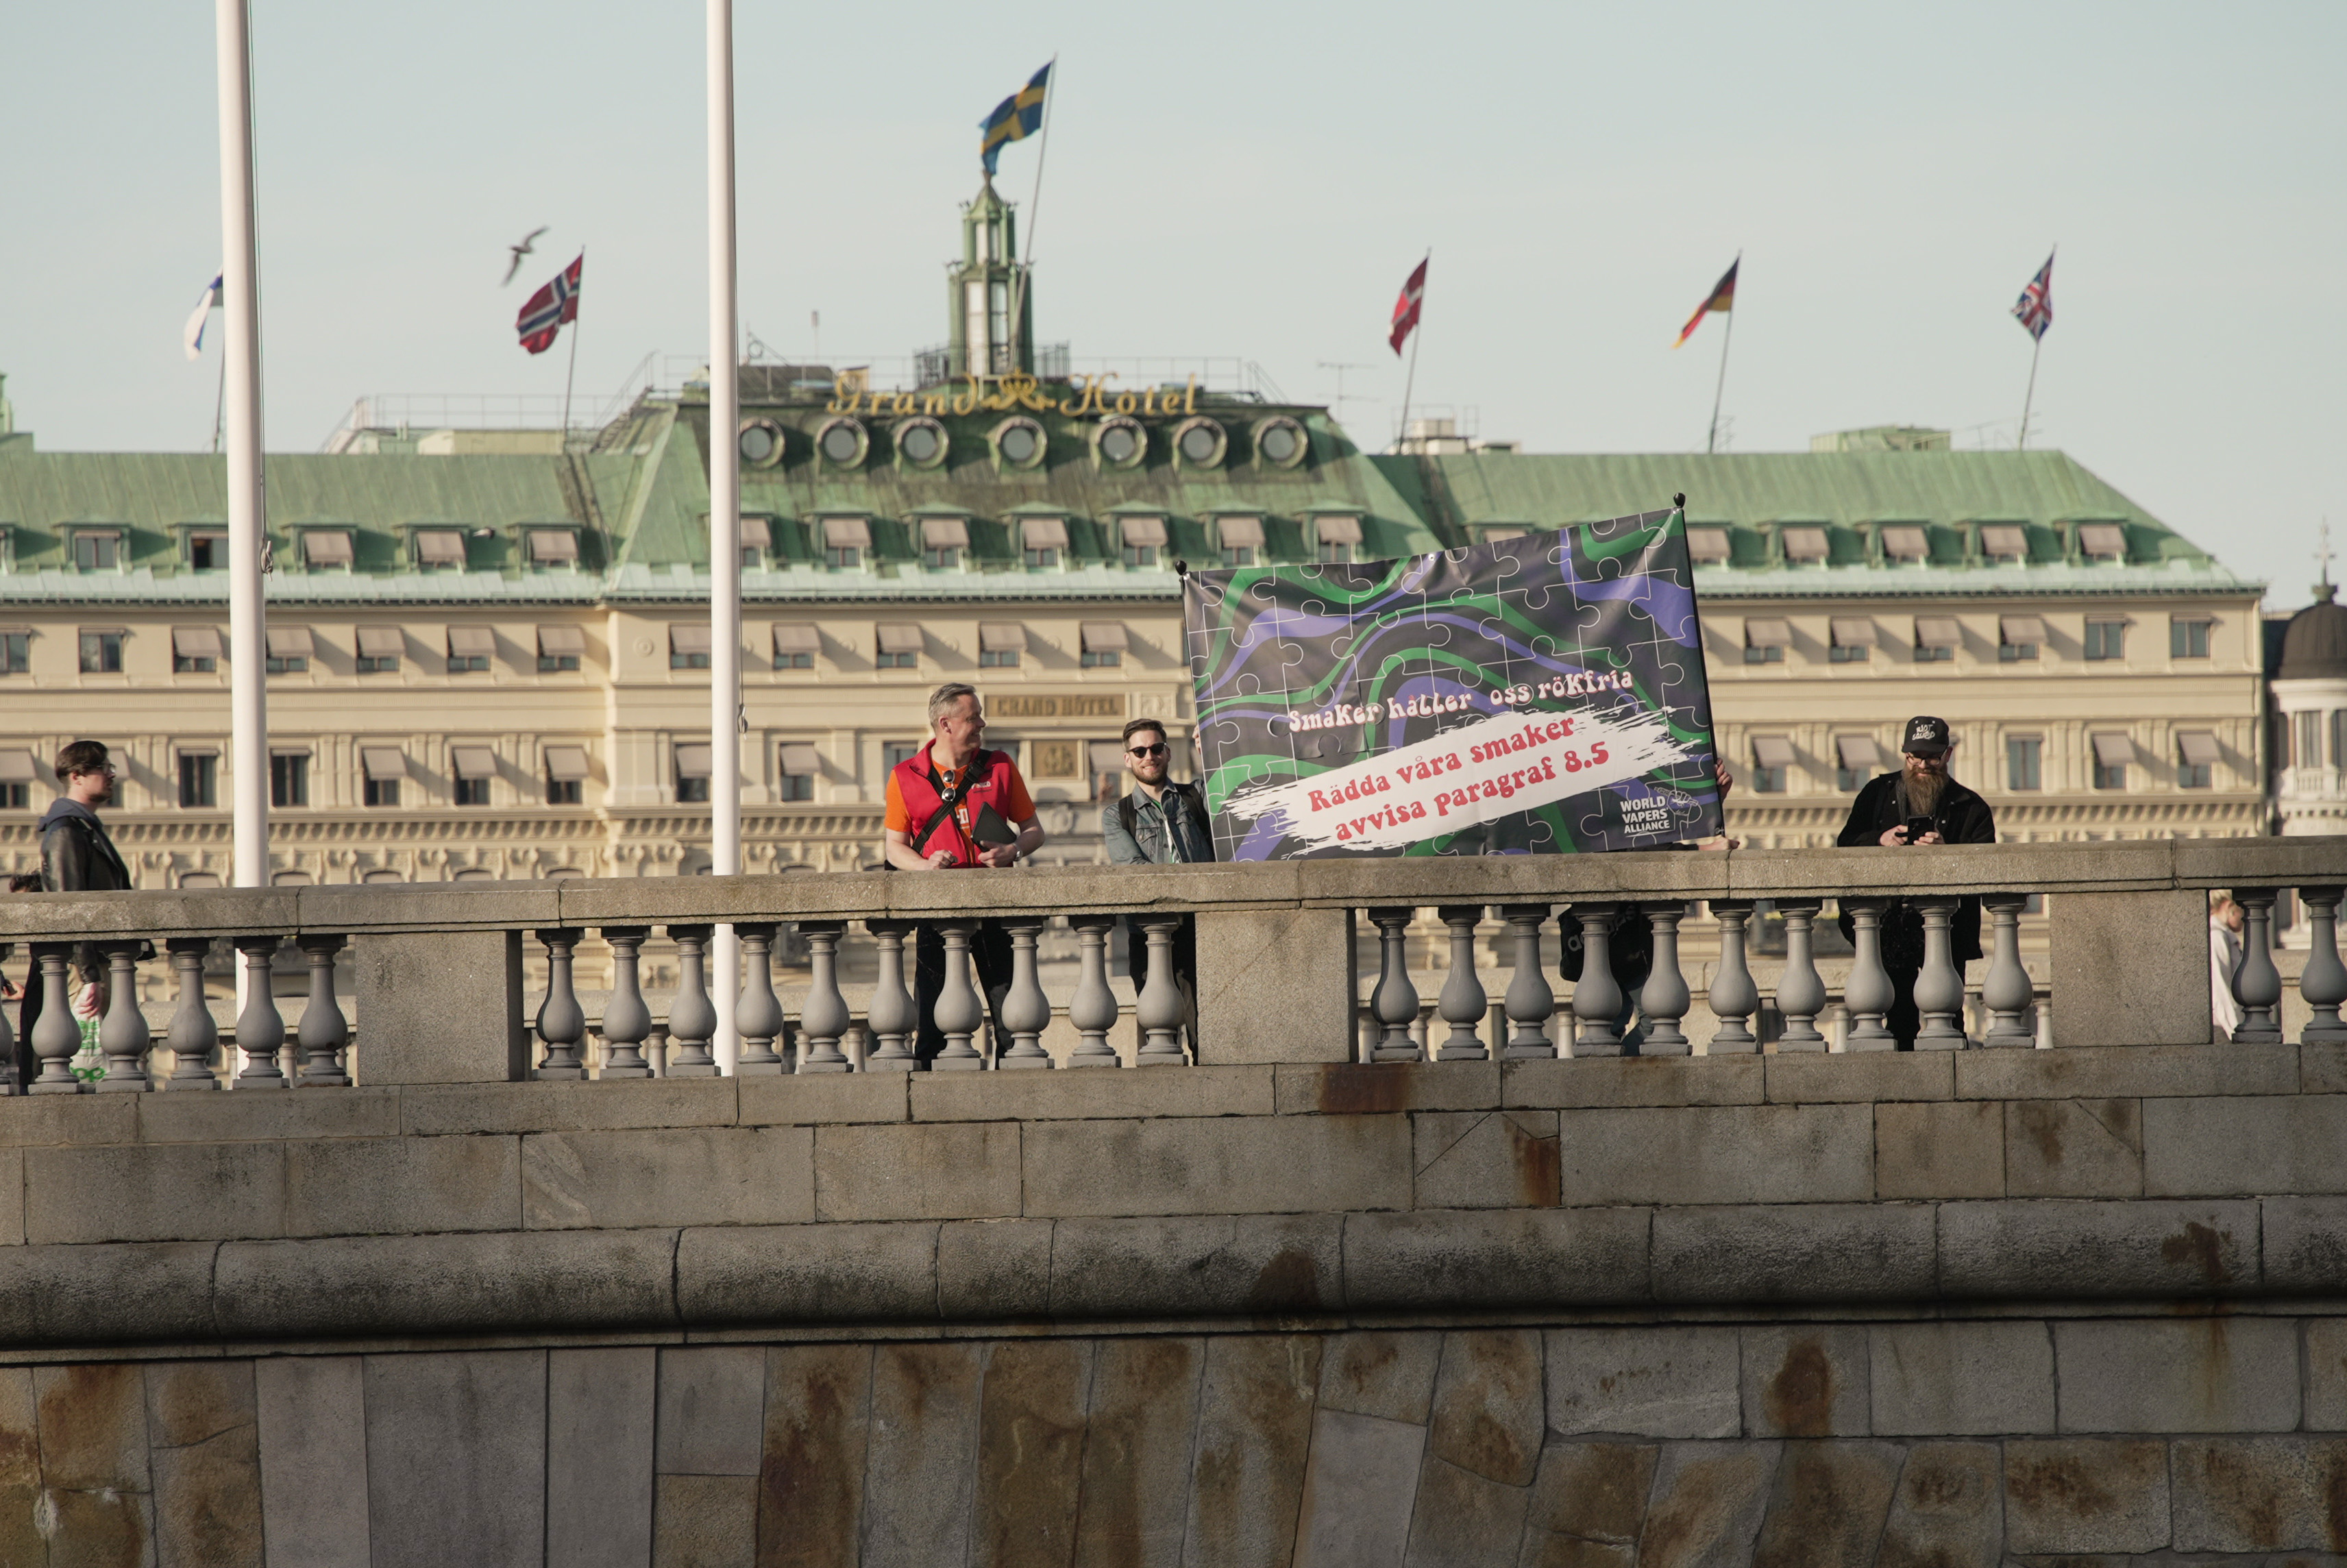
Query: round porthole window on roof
920	442
1201	442
1122	443
1019	442
844	442
762	442
1280	441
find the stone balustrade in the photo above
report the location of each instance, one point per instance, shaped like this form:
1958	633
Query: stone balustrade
439	985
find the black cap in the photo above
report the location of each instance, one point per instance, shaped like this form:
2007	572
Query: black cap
1926	737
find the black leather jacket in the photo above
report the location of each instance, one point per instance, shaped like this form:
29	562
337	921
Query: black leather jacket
77	856
1962	817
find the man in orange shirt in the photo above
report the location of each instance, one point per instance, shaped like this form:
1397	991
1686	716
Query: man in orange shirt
955	805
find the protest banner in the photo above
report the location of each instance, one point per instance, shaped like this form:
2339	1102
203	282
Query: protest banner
1542	694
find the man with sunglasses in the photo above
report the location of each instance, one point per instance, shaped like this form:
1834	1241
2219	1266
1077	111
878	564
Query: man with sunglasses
1158	823
77	856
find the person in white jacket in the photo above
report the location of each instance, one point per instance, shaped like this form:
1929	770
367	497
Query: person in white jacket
2224	963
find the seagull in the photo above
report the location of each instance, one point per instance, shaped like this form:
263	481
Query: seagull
519	252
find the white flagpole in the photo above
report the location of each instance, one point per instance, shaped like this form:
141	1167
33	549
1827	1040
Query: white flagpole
240	396
571	378
724	526
1018	334
2036	347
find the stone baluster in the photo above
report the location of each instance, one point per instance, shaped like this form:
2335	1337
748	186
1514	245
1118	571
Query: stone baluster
561	1022
824	1019
260	1028
1462	1001
1596	997
1159	1010
2323	984
656	1050
960	1011
691	1017
2258	986
627	1020
1869	994
1394	1002
7	1040
193	1036
1026	1011
1800	994
758	1012
1531	1000
323	1031
56	1035
122	1035
1092	1010
893	1020
1939	987
1734	997
1664	999
2007	992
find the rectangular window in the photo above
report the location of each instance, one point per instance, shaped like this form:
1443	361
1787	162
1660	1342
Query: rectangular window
2014	653
2019	637
1139	540
562	792
2306	752
2107	639
795	646
2110	776
206	552
800	764
287	649
2196	759
2024	763
795	787
1925	654
559	648
945	558
896	752
16	652
1240	538
101	653
1335	553
2338	738
692	792
1100	659
289	779
198	779
1044	556
900	660
97	552
1140	555
1772	757
13	797
566	775
469	648
471	792
688	647
1837	654
383	767
2113	754
381	792
1857	759
795	660
997	658
694	762
195	649
2187	638
1766	639
843	557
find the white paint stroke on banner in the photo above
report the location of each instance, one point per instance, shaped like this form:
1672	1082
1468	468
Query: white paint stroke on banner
1471	773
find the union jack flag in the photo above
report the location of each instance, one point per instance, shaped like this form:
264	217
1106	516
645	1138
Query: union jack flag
542	318
2034	309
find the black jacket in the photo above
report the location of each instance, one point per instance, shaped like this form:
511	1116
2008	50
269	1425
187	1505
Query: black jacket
77	856
1962	817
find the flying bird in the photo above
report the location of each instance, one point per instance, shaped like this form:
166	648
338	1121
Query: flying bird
519	252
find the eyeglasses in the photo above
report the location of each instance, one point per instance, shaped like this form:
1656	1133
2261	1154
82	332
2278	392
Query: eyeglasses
1156	751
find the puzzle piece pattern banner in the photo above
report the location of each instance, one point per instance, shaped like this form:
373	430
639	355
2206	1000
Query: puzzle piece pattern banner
1538	695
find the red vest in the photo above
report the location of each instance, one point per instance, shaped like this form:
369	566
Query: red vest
917	787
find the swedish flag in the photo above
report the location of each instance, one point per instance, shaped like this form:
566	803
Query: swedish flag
1015	119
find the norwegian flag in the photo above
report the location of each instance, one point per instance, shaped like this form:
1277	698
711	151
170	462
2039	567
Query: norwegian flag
2034	309
1406	309
542	318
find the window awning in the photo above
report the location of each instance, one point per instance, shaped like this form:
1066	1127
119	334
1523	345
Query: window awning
18	768
1104	637
549	545
1805	543
2103	540
473	762
690	639
899	637
1239	533
757	533
1853	632
692	761
1336	529
1938	631
1859	753
561	641
196	642
846	533
1107	756
295	750
565	763
197	749
1772	750
2003	539
1142	532
290	643
945	534
383	763
2198	746
440	547
2114	751
326	547
1767	632
382	643
2022	631
801	761
1043	533
1001	636
472	642
1708	544
797	637
1905	541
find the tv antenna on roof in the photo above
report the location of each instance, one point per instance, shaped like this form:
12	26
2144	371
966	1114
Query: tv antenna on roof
1337	402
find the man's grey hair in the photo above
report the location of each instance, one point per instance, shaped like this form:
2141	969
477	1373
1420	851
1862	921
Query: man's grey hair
942	700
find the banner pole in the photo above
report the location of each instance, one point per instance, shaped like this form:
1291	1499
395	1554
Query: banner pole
2030	396
240	422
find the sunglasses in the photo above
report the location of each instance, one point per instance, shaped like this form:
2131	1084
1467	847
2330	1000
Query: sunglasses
1156	751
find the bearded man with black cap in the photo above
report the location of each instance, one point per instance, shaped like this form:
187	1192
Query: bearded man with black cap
1919	804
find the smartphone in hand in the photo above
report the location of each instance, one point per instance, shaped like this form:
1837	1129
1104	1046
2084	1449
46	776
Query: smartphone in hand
1917	826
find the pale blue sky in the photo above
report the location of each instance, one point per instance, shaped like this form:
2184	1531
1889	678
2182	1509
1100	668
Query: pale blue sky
1254	180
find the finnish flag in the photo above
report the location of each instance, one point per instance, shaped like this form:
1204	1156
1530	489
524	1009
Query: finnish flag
193	335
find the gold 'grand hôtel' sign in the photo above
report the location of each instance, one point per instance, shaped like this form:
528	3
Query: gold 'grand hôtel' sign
1091	705
852	394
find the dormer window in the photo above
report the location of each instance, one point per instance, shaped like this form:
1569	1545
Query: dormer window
1338	540
1141	539
1905	544
208	551
96	550
547	547
757	540
323	548
2004	543
2102	541
1042	540
845	540
438	549
1805	545
1708	547
1239	538
943	540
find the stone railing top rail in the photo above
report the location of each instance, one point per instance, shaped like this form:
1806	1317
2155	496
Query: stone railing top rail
2148	865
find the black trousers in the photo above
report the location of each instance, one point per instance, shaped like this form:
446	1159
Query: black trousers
1185	964
1903	1021
989	954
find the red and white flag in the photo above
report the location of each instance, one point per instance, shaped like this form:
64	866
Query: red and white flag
549	308
1406	309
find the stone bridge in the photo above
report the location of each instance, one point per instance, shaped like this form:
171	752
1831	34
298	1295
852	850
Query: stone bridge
1266	1285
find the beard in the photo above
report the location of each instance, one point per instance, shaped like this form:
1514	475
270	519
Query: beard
1924	791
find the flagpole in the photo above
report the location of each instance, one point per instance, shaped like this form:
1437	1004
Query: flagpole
239	420
724	525
219	406
571	378
1711	443
2029	397
1019	333
1409	381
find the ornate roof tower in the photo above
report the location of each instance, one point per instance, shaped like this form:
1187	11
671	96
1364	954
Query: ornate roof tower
988	287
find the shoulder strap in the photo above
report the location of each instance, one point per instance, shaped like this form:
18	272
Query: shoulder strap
949	798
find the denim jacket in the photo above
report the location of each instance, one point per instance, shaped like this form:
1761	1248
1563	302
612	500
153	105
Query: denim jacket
1151	840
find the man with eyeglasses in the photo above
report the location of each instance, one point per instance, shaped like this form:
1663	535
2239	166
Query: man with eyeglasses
1158	823
77	856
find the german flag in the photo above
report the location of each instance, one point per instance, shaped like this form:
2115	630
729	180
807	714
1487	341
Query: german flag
1722	298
